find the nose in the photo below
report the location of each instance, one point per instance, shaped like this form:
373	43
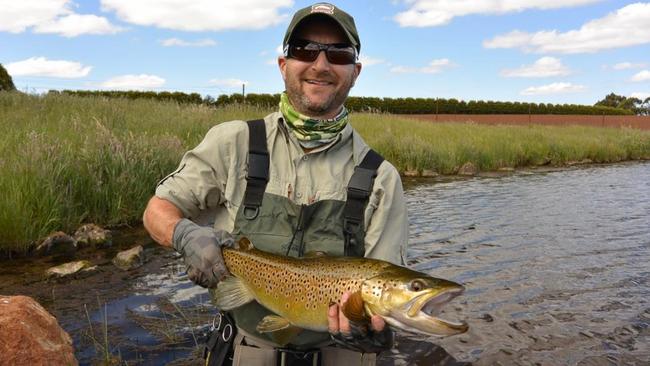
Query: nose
321	62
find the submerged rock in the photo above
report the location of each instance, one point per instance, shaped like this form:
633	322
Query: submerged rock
129	259
92	235
70	268
57	243
29	335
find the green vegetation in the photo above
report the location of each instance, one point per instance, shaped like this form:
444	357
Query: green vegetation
375	105
6	83
634	105
445	147
68	160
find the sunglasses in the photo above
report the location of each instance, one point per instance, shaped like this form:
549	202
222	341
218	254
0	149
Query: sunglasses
308	51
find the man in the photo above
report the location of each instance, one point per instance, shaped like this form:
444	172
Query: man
287	184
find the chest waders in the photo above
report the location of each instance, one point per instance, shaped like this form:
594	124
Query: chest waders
277	225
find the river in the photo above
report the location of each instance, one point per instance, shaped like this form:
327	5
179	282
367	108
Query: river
555	266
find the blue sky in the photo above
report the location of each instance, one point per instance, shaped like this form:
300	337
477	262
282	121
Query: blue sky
569	51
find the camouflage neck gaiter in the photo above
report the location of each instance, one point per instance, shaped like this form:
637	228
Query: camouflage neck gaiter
311	132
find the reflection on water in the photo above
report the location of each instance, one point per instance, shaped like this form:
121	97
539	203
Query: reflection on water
555	264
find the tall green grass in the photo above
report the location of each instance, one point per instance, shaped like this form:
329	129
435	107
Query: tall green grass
67	160
444	147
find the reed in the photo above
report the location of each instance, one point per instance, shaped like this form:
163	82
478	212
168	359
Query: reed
413	145
68	160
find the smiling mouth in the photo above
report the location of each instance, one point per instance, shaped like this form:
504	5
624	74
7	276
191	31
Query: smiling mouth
318	82
429	305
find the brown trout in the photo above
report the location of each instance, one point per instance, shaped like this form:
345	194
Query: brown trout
300	290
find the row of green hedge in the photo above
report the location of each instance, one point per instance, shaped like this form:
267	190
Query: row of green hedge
372	104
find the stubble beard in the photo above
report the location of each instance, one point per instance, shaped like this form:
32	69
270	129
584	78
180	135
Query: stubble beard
303	104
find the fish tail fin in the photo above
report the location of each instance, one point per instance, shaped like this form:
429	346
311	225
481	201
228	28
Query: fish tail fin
232	293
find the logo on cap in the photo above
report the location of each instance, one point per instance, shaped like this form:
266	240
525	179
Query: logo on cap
322	8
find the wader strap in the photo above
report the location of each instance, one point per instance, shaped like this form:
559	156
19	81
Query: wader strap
258	168
359	190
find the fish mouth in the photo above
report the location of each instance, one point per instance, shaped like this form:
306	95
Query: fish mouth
427	306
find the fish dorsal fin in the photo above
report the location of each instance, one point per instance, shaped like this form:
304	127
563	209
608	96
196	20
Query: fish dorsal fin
278	329
232	293
245	244
315	254
353	308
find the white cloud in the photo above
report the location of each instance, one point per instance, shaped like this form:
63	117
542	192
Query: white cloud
52	16
434	67
369	61
171	42
429	13
628	65
625	27
554	88
134	82
200	15
74	25
41	66
544	67
642	76
231	83
640	95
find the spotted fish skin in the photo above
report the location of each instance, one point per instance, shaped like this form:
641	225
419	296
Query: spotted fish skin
300	289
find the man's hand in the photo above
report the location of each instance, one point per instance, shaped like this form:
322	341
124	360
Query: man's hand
357	336
201	250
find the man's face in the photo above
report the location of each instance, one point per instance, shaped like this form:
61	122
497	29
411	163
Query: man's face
319	88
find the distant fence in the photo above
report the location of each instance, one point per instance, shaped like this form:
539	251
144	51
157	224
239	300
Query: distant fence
640	122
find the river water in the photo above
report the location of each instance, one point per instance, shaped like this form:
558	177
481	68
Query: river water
555	266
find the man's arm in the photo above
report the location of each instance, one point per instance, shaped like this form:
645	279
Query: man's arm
159	218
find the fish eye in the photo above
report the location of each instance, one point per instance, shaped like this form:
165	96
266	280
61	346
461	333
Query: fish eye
417	285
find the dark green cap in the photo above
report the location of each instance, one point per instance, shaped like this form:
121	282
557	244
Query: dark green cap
342	18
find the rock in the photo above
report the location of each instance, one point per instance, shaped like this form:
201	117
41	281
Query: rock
57	243
411	173
487	317
468	169
93	235
29	335
427	173
129	259
506	169
70	268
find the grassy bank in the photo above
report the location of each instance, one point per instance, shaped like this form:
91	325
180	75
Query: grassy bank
67	160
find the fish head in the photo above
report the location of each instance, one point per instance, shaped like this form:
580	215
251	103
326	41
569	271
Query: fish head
411	301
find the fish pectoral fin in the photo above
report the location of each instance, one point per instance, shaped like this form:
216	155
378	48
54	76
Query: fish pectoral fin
272	323
278	328
353	309
232	293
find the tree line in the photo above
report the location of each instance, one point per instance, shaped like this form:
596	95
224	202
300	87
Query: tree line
612	104
375	104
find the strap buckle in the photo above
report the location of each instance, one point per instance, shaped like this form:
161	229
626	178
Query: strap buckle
288	357
258	166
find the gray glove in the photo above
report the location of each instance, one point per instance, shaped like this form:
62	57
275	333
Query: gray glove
201	249
365	340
